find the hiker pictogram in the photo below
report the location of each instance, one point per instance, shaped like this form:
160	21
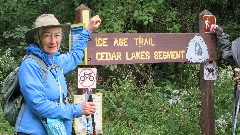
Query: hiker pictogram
208	21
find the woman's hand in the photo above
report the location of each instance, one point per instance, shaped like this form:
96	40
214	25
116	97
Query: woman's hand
94	23
88	108
213	28
216	29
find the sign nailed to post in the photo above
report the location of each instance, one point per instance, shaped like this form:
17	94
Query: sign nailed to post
208	20
210	71
81	124
87	77
132	48
74	33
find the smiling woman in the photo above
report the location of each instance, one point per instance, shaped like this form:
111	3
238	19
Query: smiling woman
50	39
47	109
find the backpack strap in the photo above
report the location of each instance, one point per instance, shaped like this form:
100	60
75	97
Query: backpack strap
43	66
44	69
20	116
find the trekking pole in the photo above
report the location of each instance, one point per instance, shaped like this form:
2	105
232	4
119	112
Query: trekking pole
237	99
90	99
236	117
92	116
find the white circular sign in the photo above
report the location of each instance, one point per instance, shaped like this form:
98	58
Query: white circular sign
87	77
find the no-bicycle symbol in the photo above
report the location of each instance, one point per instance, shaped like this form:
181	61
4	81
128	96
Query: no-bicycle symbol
87	77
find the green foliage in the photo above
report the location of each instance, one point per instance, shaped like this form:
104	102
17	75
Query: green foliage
164	109
232	29
130	111
224	87
17	38
5	127
7	64
126	16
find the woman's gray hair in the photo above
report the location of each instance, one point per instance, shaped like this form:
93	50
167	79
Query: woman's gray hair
37	36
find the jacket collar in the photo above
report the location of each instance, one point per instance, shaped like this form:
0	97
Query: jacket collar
48	59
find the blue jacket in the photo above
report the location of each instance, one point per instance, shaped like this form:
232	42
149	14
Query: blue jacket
39	95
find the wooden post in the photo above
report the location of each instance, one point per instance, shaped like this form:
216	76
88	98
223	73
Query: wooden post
82	15
207	94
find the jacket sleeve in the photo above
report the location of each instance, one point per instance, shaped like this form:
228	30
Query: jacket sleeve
70	60
230	50
32	88
225	48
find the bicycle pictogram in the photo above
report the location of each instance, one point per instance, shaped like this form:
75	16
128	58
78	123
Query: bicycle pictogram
86	76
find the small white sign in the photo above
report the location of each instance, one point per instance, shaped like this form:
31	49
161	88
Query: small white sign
87	77
74	33
210	71
80	124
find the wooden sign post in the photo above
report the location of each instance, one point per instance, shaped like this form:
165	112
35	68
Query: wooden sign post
82	15
207	91
132	48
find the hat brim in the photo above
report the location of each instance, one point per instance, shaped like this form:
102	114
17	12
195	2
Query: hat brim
29	35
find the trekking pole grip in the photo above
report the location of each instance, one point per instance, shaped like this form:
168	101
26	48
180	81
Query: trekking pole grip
236	75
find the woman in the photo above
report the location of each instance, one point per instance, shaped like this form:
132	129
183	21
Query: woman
43	98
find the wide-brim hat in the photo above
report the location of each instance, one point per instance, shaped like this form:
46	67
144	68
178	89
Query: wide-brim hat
45	20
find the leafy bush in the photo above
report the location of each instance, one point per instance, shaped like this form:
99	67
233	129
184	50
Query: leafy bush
128	110
7	64
165	109
223	94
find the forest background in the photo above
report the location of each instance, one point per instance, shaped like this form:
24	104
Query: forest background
156	99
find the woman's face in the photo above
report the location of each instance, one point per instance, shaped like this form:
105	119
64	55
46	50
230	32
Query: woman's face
51	38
